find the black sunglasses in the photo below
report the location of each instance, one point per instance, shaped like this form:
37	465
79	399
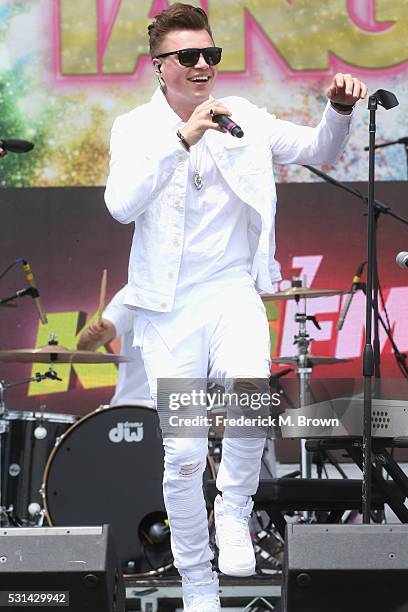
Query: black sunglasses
189	57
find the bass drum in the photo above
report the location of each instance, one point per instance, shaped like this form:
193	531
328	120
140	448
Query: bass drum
108	468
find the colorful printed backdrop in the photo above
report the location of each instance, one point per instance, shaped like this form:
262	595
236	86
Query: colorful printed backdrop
69	238
68	67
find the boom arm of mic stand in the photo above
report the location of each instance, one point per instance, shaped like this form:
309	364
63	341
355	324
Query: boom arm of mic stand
379	207
403	141
18	294
37	378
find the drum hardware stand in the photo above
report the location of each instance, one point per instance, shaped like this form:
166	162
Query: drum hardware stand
304	372
37	515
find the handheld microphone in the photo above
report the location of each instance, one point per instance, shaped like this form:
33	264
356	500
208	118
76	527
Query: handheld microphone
402	259
30	279
349	298
230	125
16	146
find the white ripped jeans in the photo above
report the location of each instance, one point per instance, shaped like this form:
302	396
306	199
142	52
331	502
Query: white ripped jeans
234	343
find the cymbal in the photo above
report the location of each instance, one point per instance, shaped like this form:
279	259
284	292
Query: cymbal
297	293
312	360
58	354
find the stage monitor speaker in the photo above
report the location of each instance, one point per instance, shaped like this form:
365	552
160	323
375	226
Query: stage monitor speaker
345	568
57	568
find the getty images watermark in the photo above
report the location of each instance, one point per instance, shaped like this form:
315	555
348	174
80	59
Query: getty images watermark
241	408
210	399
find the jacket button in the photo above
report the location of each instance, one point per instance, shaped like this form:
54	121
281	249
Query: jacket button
163	305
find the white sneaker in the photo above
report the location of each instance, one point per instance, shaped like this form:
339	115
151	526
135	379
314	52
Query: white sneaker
201	596
236	552
201	603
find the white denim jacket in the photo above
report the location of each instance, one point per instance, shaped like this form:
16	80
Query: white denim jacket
148	177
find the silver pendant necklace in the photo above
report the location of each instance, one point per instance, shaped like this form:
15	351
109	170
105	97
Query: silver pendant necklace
198	154
198	181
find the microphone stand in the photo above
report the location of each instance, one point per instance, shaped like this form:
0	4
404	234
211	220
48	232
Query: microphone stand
403	141
371	363
387	100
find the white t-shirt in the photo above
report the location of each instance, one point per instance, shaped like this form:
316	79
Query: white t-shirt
132	386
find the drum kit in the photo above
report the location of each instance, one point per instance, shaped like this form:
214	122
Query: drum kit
59	469
106	467
27	438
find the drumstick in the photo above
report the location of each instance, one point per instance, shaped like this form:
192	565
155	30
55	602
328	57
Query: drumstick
102	296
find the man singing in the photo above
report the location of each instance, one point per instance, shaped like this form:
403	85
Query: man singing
203	204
